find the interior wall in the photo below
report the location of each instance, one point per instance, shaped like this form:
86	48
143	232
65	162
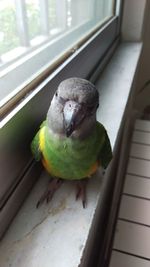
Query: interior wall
142	98
136	27
132	20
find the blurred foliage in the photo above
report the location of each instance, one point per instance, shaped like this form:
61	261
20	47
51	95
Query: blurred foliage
33	18
52	13
8	31
9	38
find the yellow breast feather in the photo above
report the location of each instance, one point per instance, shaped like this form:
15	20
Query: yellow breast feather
41	139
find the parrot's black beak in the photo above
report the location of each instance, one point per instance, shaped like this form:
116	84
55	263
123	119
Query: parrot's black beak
69	130
73	115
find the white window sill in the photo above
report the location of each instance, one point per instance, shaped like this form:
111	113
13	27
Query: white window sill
56	234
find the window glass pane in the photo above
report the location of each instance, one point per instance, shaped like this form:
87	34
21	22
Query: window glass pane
33	17
9	38
34	32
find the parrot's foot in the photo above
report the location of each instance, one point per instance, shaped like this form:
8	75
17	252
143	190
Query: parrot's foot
81	192
48	194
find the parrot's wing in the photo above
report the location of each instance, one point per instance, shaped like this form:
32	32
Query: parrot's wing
35	144
105	154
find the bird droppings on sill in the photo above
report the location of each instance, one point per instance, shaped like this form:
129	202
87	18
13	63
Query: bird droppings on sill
36	233
61	207
57	240
52	211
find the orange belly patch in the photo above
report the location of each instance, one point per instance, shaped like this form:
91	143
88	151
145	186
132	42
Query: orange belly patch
50	169
93	169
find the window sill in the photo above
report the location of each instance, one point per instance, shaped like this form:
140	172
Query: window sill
56	234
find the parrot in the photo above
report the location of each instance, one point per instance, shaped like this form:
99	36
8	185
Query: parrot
71	143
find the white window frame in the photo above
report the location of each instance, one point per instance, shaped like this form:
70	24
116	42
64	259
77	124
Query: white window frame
37	55
21	118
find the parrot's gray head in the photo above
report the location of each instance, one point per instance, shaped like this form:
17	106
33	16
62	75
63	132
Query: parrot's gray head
73	108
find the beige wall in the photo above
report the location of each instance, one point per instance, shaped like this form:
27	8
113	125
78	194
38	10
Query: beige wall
143	99
136	27
132	22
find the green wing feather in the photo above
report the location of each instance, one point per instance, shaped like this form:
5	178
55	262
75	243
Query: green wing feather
105	154
65	156
35	147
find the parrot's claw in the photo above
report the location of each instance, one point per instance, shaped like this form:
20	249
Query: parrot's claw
48	194
81	192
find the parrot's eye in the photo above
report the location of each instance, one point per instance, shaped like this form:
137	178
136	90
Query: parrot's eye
56	94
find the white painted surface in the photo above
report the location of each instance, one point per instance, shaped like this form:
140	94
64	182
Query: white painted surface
131	246
124	260
140	151
139	167
55	235
141	137
142	125
137	186
113	87
132	238
135	209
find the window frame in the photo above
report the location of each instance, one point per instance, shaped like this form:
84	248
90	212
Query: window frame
35	60
24	116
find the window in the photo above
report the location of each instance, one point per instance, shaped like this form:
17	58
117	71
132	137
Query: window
34	33
67	40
